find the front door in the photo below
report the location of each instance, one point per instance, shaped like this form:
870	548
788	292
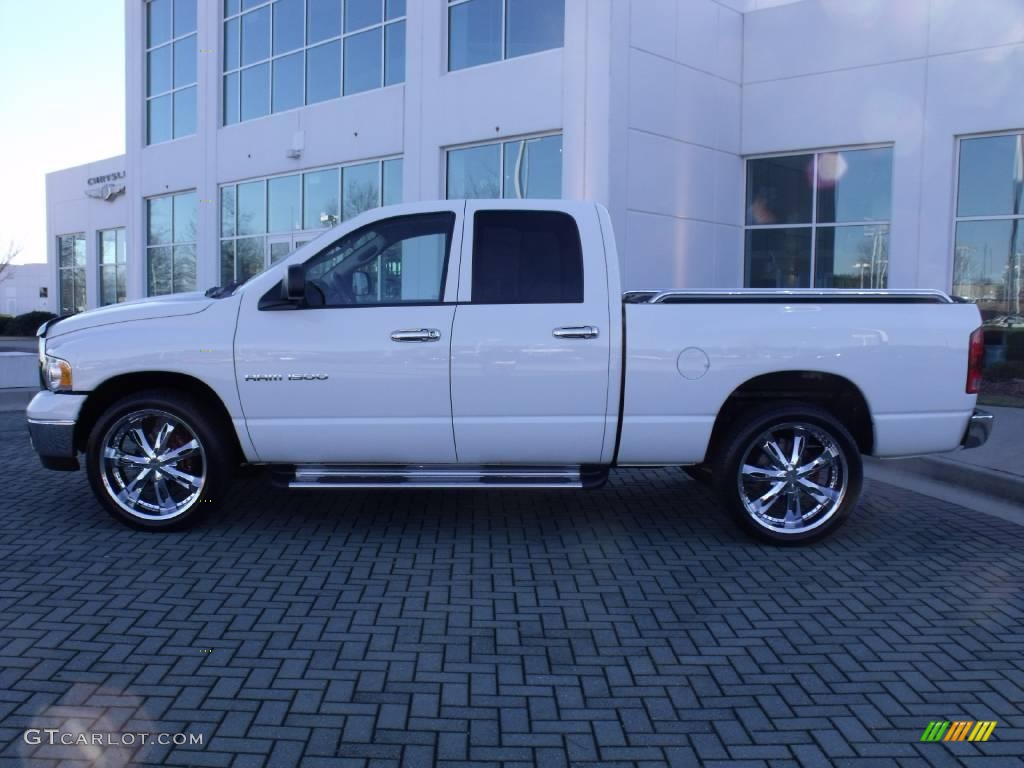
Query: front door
360	373
530	347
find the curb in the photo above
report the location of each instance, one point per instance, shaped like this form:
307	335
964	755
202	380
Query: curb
16	399
989	482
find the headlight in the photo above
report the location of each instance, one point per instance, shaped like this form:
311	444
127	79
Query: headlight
57	374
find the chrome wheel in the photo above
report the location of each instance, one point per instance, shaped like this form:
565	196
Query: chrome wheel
793	478
152	464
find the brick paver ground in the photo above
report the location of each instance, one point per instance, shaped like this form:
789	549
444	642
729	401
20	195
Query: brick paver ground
630	626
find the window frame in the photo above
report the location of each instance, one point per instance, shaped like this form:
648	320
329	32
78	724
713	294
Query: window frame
814	225
313	233
956	219
74	269
120	260
449	4
172	244
303	50
500	143
174	90
270	301
472	258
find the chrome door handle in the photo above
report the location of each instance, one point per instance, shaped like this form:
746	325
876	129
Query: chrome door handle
420	334
576	332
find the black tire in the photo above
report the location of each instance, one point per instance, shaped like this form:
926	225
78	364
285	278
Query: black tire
701	473
211	463
835	485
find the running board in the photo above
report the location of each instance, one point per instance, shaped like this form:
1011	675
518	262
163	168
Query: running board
327	476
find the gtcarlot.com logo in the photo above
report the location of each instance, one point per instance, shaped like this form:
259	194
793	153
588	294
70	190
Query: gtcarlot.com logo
54	736
958	730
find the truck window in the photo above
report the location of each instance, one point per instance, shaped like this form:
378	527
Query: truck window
526	257
388	262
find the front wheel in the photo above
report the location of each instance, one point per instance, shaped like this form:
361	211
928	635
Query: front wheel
790	474
156	462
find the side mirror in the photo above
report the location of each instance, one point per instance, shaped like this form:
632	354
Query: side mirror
294	286
360	283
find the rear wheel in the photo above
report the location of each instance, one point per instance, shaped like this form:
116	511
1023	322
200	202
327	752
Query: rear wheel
790	474
155	460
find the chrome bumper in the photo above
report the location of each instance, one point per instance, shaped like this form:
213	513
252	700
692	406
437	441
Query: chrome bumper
978	429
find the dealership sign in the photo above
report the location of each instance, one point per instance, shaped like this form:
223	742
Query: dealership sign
110	186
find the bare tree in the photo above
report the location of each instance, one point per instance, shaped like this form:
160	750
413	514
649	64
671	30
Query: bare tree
7	261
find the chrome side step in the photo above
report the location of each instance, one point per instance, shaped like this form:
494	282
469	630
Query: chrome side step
328	476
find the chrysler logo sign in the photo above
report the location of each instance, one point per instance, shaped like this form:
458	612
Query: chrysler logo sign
112	186
94	180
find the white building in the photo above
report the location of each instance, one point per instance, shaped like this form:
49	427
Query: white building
735	142
25	288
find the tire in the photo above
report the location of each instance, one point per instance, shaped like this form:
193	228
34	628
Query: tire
167	480
701	473
776	502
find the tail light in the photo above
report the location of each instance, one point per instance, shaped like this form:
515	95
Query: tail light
975	359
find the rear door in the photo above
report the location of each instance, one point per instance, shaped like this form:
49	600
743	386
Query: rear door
530	342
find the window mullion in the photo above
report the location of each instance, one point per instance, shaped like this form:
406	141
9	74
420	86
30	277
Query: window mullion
814	217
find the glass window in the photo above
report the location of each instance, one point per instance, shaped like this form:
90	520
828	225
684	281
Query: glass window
276	215
256	36
778	258
533	168
362	65
158	22
394	48
71	273
288	77
392	192
474	33
324	20
288	26
362	13
252	211
360	188
321	207
323	72
523	168
988	255
779	190
526	257
806	215
171	243
388	262
855	186
255	91
990	177
159	78
481	31
284	206
533	25
288	53
171	69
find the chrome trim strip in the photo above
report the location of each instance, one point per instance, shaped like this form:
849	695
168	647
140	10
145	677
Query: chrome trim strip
839	295
55	422
421	485
325	476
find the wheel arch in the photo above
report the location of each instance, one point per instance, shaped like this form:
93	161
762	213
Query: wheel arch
117	387
834	393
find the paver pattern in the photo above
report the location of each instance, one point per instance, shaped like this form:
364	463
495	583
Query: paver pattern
631	626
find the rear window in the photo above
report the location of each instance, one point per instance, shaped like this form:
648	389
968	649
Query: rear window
526	257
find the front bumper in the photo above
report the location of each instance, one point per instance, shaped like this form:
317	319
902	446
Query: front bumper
51	428
978	429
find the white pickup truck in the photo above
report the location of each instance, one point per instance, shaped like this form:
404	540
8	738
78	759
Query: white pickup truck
487	344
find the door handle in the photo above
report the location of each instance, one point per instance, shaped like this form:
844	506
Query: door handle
420	334
576	332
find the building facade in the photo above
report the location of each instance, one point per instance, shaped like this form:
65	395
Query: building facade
735	142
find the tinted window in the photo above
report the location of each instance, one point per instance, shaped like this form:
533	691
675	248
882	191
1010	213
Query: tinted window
387	262
526	257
